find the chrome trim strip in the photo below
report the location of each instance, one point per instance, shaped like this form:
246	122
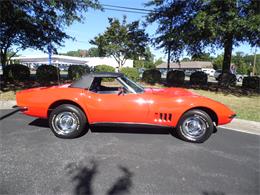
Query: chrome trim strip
130	123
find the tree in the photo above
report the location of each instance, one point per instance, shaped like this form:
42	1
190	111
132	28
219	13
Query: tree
78	53
186	59
94	52
37	24
146	61
122	40
202	57
194	25
158	61
218	61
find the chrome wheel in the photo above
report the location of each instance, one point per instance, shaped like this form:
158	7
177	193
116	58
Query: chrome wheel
194	127
65	123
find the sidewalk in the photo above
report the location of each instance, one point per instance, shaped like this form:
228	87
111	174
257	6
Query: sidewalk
7	104
241	125
236	125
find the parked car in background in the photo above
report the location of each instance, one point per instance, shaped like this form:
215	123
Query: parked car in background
189	72
92	101
217	74
239	77
209	71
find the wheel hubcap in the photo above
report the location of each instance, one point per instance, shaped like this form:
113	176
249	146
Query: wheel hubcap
194	127
65	123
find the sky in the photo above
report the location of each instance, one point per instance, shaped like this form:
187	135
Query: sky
95	22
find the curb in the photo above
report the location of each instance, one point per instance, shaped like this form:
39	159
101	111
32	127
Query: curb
8	104
240	130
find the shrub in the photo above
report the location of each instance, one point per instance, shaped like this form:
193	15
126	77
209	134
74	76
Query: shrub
151	76
16	72
104	68
227	79
175	77
198	78
251	83
76	71
47	73
131	73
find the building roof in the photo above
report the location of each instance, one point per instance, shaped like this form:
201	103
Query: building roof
188	65
56	59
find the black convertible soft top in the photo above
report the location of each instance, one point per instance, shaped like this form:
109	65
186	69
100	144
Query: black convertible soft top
86	80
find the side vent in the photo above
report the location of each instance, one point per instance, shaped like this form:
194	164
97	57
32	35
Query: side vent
162	117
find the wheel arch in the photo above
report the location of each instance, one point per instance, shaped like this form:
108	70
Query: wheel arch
210	112
60	102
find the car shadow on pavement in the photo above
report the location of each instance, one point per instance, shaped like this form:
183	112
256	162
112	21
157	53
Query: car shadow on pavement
134	130
39	122
83	176
9	114
116	129
213	193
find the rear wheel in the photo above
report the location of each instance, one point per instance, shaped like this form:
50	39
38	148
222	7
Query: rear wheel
68	121
195	126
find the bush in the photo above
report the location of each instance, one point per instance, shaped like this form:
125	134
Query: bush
251	83
47	73
16	72
175	77
104	68
131	73
227	79
151	76
198	78
76	71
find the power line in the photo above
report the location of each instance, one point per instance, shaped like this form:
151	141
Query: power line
131	8
121	10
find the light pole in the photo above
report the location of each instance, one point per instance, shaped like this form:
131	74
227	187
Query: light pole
254	63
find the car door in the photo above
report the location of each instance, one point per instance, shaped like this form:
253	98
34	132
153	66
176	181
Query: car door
116	108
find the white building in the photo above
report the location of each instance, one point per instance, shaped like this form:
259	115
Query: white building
69	60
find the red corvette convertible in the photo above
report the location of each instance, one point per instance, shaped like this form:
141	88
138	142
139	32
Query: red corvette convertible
112	98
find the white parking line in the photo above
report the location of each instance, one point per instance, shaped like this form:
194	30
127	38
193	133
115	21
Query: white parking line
240	130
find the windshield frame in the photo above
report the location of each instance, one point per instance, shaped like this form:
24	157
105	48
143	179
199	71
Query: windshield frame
131	85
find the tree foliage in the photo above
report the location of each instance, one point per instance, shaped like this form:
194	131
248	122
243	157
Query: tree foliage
94	52
146	61
194	25
201	57
122	40
77	53
36	24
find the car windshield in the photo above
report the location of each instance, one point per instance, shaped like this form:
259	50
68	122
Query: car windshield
136	87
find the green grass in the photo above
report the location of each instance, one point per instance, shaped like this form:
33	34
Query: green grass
9	95
246	107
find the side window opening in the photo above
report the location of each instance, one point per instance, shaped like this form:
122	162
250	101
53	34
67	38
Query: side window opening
106	86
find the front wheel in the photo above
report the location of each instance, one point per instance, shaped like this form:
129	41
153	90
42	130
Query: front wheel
68	121
195	126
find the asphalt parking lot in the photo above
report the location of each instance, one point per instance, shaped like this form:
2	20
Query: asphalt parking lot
122	161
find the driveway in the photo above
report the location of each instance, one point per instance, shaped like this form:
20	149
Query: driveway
121	161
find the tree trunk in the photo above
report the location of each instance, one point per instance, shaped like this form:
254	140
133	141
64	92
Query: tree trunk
3	57
227	53
168	59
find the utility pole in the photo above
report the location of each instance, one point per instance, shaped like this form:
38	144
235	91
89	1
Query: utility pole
254	62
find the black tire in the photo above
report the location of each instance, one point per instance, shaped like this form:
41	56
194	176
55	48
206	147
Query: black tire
68	115
199	120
